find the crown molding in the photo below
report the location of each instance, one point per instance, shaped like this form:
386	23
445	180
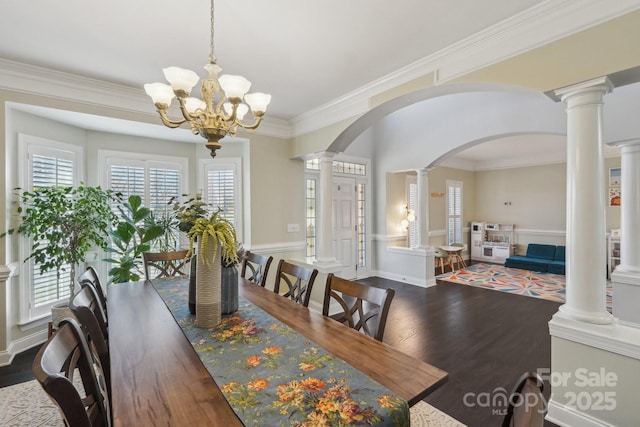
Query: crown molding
541	24
30	79
33	80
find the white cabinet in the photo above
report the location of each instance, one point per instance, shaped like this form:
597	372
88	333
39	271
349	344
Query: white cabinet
492	242
613	253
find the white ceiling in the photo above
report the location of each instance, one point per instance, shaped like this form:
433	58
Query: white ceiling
305	53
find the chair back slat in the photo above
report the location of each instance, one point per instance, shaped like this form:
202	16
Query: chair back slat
300	290
165	264
257	266
364	308
54	366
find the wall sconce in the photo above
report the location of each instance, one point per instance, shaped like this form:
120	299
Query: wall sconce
410	217
507	203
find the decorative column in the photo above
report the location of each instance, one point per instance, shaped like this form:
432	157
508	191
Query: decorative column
324	227
585	254
626	277
422	209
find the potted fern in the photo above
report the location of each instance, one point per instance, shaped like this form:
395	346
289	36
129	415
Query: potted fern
216	242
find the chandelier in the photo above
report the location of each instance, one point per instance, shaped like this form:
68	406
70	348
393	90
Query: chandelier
220	111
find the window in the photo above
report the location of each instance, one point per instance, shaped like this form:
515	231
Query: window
362	226
311	217
454	211
222	188
412	204
156	179
47	163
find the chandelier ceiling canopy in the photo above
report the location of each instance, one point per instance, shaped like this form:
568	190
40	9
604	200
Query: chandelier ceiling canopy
224	104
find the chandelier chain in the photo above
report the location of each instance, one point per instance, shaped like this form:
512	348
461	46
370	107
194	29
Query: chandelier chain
212	58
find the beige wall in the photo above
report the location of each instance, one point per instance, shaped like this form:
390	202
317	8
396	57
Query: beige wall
276	182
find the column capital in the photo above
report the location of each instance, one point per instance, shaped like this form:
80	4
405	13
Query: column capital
327	155
628	144
601	84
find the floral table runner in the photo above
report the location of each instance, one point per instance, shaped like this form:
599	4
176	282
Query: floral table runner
273	376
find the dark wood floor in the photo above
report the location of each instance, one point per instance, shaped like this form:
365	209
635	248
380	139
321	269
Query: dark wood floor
484	339
20	369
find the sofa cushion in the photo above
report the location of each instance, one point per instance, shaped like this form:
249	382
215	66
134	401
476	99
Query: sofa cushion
559	255
526	263
557	267
536	250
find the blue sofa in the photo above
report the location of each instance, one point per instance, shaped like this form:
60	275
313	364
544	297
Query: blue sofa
543	258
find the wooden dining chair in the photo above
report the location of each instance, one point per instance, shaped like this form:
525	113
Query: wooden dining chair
257	266
88	296
364	308
298	290
83	305
90	277
165	264
63	355
527	405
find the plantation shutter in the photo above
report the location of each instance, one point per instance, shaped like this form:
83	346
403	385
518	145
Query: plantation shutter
128	180
413	204
164	184
48	171
454	211
222	188
155	182
221	192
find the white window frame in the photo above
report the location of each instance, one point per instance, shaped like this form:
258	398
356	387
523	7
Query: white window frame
449	216
107	158
225	163
27	146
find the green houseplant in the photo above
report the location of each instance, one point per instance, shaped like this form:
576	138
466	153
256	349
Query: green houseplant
186	212
132	236
64	223
216	241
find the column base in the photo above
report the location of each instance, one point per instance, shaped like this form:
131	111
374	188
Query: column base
598	318
626	295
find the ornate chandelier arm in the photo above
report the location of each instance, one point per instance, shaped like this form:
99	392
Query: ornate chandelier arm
167	121
255	124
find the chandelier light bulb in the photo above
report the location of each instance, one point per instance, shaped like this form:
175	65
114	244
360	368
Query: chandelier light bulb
193	104
160	93
234	86
181	79
258	101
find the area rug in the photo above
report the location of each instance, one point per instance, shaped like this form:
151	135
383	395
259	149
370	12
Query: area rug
27	405
547	286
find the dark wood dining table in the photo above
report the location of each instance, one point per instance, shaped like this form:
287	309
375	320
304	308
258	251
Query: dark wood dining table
158	378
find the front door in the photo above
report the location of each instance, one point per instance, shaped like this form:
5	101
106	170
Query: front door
344	223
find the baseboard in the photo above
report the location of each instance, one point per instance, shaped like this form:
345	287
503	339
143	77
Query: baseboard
278	248
406	279
22	344
569	417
